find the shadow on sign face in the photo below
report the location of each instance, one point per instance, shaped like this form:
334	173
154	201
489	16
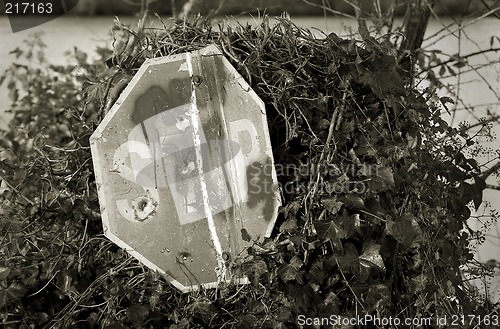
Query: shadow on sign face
261	190
158	100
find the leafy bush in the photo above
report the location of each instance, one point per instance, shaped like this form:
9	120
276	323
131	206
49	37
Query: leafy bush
374	215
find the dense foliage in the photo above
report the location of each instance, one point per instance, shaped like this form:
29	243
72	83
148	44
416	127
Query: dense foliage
375	204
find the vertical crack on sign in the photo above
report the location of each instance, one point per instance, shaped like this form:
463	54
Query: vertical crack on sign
230	170
221	269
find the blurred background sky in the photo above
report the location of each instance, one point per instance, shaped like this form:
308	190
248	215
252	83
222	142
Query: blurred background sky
274	7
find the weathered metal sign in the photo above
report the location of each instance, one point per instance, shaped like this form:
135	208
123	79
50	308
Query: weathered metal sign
184	168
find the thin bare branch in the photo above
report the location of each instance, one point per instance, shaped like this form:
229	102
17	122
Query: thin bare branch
327	9
493	118
493	187
460	27
454	59
490	171
490	9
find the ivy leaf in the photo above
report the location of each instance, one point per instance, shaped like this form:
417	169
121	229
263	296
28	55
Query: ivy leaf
382	180
364	272
371	257
317	272
94	91
255	307
326	230
254	270
329	231
289	272
347	224
375	208
381	76
6	169
459	208
4	272
378	297
349	261
13	93
331	298
442	71
245	236
473	163
11	293
298	239
247	320
395	152
460	63
306	298
347	127
18	52
284	314
353	200
364	147
446	99
331	280
330	306
333	205
64	282
355	224
479	187
289	226
405	229
291	209
137	314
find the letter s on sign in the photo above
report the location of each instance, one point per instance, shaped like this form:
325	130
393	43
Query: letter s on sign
140	157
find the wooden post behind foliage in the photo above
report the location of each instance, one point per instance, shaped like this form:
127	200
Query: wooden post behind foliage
415	23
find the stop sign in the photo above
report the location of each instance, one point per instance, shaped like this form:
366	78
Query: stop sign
184	168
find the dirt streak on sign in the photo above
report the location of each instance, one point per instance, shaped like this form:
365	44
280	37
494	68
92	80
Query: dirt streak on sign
184	165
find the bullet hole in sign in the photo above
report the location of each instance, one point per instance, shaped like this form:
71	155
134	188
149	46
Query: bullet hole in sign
197	80
144	207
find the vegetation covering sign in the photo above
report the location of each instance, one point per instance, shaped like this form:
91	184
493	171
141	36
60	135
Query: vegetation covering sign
184	168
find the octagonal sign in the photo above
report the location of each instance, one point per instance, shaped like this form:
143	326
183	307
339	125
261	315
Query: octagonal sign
184	168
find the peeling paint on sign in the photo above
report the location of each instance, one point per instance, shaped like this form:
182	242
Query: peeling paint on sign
189	169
